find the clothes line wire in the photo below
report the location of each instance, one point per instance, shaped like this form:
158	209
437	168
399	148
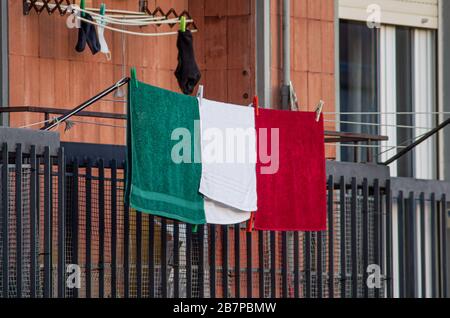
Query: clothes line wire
37	123
138	22
388	113
97	124
404	143
120	12
376	125
362	146
130	32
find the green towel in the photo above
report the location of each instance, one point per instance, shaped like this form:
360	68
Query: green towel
155	184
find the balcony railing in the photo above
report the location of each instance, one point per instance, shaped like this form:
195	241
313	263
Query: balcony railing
62	213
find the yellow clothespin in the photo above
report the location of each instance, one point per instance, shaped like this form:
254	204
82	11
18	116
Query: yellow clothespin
183	24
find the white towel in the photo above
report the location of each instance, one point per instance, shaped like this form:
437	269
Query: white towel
228	141
221	214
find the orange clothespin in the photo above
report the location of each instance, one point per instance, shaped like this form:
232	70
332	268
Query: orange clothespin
250	223
252	216
256	105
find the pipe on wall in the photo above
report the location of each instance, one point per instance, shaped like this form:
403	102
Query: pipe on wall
444	86
285	89
4	51
263	51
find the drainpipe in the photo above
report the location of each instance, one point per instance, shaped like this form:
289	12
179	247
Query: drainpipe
263	63
285	89
4	72
444	87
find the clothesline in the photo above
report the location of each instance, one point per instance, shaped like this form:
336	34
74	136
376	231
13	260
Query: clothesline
386	113
97	124
129	32
375	125
362	146
140	20
122	13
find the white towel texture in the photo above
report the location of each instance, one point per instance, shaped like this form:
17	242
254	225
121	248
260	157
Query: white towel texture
228	142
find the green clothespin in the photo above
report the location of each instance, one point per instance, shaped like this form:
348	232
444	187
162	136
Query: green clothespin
195	228
102	9
82	6
102	12
183	24
134	76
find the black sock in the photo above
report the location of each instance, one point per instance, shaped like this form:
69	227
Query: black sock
187	72
88	34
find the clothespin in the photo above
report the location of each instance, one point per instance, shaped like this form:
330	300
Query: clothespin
183	24
134	76
294	99
83	7
102	10
319	110
200	92
250	223
256	105
252	215
195	228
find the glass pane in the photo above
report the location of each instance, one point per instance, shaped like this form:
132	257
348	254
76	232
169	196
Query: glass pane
404	97
358	75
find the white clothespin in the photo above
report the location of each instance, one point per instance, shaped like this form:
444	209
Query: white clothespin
319	110
200	93
294	99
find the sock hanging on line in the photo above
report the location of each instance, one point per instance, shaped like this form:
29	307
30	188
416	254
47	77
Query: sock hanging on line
87	34
187	72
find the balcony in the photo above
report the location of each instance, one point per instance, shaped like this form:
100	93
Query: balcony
62	204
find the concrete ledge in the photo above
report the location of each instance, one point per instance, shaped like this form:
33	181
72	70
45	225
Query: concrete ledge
359	171
427	187
28	138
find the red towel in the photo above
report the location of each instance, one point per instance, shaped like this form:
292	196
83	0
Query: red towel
294	198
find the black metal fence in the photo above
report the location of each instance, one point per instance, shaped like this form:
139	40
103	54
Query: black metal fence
67	208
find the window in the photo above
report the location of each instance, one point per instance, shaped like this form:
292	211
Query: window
388	87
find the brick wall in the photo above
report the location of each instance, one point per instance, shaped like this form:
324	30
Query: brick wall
46	71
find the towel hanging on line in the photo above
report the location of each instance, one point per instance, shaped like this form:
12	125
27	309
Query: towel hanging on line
229	186
292	197
155	183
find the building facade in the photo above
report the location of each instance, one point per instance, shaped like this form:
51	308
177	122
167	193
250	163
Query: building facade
381	69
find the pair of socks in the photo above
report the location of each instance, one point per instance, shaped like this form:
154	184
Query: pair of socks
87	34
